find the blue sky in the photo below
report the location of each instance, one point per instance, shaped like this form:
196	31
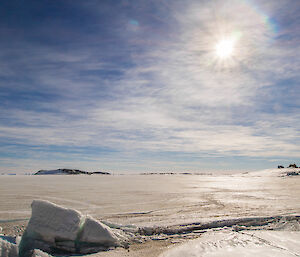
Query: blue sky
137	85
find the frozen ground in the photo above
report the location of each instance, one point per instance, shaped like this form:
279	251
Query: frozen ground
158	201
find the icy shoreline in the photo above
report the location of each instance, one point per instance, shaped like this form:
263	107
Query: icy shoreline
217	239
84	235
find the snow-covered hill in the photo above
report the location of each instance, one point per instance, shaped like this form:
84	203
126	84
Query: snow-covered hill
275	172
68	172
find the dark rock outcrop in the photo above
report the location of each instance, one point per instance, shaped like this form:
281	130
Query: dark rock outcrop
101	173
292	173
293	166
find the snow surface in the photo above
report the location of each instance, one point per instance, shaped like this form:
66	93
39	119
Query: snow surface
237	244
155	200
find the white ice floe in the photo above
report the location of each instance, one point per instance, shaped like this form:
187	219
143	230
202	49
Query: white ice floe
233	244
53	228
50	222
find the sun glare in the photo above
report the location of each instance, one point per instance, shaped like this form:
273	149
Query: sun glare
225	48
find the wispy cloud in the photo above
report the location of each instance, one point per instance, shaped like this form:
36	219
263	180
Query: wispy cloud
136	91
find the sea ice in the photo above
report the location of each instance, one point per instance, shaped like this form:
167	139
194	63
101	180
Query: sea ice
50	222
235	244
98	233
53	228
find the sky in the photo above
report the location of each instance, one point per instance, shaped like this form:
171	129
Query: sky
137	86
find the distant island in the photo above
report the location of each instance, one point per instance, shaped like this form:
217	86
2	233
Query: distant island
69	172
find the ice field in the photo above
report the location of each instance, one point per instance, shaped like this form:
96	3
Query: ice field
176	202
154	199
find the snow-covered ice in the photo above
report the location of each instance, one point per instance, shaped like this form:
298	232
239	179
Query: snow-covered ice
236	244
157	199
157	204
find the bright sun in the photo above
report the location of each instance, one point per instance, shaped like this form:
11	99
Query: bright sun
225	48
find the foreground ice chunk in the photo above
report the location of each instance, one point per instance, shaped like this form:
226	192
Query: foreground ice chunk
96	232
50	222
53	228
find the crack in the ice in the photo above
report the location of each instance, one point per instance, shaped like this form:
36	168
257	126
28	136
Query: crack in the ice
241	223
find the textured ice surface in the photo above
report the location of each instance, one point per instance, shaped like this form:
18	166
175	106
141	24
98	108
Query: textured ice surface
236	244
157	199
